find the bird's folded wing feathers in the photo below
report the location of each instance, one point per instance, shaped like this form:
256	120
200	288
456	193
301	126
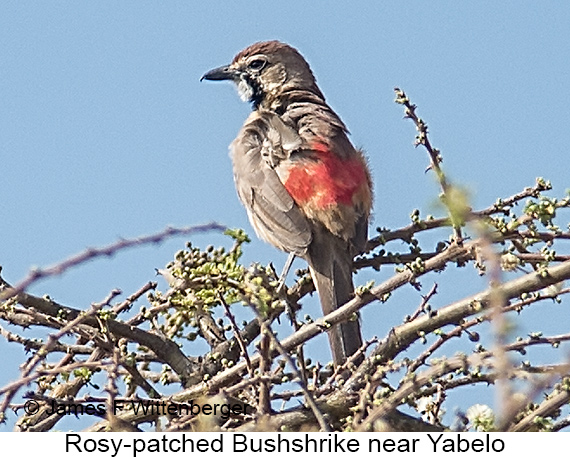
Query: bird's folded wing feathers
273	213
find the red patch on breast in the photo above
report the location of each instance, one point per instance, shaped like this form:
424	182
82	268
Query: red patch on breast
327	181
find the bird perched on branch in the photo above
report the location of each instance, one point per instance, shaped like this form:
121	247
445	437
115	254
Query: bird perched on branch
306	189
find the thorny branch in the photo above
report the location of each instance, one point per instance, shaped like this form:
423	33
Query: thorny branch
449	193
136	356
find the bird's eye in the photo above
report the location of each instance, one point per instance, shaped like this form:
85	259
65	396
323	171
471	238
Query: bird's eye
257	64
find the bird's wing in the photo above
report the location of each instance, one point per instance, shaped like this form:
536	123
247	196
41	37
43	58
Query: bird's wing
321	129
261	145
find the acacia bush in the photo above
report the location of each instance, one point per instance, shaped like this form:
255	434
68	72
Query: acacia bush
139	349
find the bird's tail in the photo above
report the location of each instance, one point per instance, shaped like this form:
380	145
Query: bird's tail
330	262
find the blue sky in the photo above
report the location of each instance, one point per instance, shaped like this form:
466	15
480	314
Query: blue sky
106	131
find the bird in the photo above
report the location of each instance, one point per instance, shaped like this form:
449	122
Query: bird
306	189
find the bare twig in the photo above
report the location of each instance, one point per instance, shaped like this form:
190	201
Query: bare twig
308	395
106	251
237	333
425	300
435	159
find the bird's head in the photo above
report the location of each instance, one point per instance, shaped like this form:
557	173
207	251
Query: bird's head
264	71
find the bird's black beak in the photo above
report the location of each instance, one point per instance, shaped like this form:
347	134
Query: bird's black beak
220	74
